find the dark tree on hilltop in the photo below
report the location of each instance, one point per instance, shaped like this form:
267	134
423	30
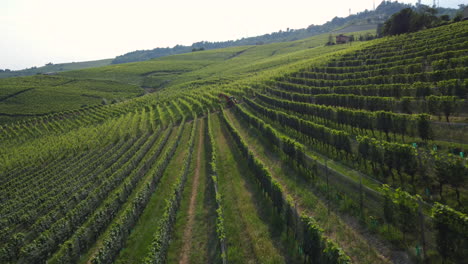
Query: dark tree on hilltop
398	23
409	20
425	17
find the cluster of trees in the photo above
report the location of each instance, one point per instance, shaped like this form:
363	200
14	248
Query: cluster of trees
142	55
198	49
365	37
412	20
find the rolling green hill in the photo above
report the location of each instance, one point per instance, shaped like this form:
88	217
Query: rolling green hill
54	68
339	154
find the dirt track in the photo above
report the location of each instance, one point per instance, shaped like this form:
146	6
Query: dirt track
187	238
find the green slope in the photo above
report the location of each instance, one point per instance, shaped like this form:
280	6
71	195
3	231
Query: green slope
300	150
25	97
212	66
22	97
53	68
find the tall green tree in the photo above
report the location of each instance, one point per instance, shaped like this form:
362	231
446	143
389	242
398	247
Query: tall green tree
408	20
398	23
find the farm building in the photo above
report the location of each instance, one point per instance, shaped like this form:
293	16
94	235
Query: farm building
342	39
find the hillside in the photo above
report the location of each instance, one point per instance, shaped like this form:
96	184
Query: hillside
366	20
51	68
25	97
211	66
362	21
340	154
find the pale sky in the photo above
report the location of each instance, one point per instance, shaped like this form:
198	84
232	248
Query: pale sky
35	32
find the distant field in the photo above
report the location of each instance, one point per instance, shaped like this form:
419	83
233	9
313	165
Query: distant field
39	95
56	68
212	66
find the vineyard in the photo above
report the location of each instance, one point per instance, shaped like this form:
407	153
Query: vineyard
333	154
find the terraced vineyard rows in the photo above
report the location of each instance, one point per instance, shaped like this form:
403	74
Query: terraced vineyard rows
371	136
358	157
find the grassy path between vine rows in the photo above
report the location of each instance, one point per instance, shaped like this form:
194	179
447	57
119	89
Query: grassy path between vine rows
253	229
187	237
203	239
354	244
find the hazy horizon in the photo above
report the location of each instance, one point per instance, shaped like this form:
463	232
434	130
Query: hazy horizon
39	32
